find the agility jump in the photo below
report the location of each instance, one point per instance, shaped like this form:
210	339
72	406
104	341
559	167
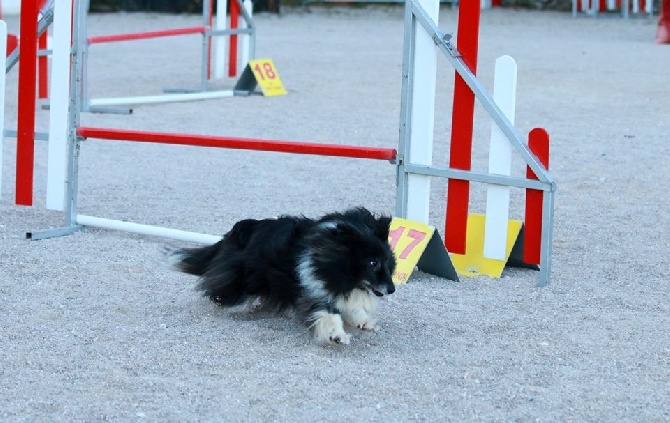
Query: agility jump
412	160
208	32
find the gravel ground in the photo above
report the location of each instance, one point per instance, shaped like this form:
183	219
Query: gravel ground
96	327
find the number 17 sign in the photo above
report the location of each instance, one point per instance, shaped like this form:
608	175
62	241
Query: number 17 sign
417	245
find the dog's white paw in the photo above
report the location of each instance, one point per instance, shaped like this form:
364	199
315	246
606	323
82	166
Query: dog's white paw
329	329
340	337
371	326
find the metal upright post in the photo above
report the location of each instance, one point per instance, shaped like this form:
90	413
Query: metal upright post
80	26
77	84
547	237
206	36
74	110
405	124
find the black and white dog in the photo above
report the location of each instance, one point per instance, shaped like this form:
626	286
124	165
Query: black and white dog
330	270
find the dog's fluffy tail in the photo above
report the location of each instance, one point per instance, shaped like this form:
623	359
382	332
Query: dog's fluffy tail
194	261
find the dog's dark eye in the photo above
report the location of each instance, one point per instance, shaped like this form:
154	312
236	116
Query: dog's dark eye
375	265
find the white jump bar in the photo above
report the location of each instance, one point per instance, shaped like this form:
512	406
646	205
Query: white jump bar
136	228
162	98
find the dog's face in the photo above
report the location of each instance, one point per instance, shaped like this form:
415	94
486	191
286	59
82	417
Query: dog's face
353	253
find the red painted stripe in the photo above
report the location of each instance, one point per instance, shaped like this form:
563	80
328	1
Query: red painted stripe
25	142
232	51
458	192
293	147
43	68
538	143
12	43
146	35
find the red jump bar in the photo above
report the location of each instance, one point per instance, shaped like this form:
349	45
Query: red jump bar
293	147
146	35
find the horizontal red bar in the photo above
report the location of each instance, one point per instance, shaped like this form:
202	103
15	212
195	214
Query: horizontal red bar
293	147
146	35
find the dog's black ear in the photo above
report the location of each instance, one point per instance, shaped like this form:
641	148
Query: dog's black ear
337	229
381	226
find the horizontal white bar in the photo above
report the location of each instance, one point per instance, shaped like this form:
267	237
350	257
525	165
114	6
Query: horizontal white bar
163	98
136	228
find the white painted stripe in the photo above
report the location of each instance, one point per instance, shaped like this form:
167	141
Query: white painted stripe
422	116
220	41
500	161
3	66
59	104
163	98
136	228
244	39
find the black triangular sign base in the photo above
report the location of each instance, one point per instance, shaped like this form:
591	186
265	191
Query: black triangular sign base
247	81
516	255
435	259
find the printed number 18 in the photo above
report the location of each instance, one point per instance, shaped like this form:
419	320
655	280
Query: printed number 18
396	234
265	71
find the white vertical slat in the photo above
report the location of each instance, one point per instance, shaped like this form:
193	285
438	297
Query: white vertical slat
422	115
59	103
500	161
3	66
244	39
220	41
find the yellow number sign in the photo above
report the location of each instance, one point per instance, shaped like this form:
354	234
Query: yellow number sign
267	77
408	241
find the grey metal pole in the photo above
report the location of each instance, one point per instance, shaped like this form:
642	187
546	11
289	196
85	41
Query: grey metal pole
77	86
405	111
206	36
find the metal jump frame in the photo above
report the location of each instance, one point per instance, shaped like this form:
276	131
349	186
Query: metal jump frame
414	15
112	105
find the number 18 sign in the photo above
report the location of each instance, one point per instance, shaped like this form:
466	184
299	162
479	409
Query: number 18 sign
418	245
267	77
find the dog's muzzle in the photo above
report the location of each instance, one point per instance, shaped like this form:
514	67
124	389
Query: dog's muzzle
380	291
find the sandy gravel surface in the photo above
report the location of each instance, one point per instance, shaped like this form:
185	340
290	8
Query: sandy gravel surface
96	327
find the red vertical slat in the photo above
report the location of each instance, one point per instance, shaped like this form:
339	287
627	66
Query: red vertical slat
43	68
232	56
458	191
25	139
538	143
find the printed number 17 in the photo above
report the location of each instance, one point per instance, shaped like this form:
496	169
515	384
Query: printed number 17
396	234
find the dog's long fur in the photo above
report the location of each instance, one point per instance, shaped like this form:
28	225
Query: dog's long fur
330	270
